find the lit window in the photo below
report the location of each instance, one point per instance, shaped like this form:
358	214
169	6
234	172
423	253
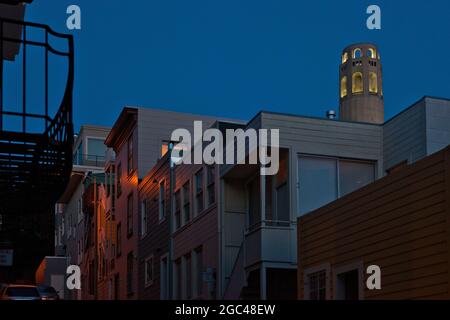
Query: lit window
343	86
344	57
357	53
373	86
371	53
357	82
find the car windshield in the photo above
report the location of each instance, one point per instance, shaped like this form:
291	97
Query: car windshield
22	292
47	290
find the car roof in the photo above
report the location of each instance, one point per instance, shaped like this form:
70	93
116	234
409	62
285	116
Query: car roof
20	286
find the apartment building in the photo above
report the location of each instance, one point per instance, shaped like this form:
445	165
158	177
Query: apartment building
154	199
320	160
398	224
190	271
89	154
139	137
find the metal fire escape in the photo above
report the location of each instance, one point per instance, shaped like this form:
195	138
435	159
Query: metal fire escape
35	165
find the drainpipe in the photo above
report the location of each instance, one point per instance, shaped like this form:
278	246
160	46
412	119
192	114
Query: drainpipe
95	240
169	220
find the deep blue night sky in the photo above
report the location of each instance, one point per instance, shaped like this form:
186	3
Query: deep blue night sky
233	58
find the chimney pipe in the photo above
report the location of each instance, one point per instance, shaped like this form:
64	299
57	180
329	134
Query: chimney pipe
331	114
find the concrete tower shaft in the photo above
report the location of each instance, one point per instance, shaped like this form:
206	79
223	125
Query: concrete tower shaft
360	84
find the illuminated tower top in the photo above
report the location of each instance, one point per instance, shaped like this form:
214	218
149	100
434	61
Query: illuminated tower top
360	76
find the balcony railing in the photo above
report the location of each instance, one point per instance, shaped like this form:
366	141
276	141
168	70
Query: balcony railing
36	135
90	160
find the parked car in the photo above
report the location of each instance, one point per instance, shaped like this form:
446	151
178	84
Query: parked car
47	292
19	292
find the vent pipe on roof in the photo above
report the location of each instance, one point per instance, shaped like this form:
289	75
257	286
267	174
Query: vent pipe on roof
331	114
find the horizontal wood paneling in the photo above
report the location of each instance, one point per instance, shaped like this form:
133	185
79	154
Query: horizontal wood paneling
400	223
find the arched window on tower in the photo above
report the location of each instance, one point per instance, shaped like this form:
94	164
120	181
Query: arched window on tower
343	86
357	53
357	82
371	53
344	57
373	84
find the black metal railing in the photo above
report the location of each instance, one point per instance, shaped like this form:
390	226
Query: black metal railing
37	160
89	160
65	110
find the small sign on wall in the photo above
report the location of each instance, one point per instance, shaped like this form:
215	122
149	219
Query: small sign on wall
6	257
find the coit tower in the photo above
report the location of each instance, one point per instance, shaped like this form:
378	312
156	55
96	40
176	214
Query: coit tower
360	79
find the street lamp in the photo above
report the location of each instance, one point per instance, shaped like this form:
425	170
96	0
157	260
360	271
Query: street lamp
169	218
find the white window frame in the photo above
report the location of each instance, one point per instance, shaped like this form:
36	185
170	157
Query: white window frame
307	272
337	160
358	266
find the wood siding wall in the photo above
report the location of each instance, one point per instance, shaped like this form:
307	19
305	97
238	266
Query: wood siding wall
156	241
400	223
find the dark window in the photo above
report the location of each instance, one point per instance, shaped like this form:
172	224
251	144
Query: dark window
188	282
163	279
119	179
91	278
143	218
130	155
282	187
254	203
317	285
199	191
162	200
199	270
186	202
108	185
130	273
119	240
179	278
210	185
130	215
347	287
177	209
116	286
149	271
